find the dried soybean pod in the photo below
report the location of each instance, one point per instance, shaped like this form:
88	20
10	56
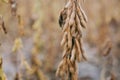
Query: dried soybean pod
66	25
69	4
83	23
79	12
59	68
78	24
64	53
71	22
83	14
72	17
64	39
69	38
80	16
79	57
82	51
62	17
73	53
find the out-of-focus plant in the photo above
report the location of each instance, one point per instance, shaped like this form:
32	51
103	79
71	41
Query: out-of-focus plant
2	74
21	25
6	1
36	63
13	6
17	45
2	24
17	76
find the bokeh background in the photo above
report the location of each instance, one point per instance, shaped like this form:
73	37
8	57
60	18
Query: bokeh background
31	48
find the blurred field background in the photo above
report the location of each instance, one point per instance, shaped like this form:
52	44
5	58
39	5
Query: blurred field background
31	48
